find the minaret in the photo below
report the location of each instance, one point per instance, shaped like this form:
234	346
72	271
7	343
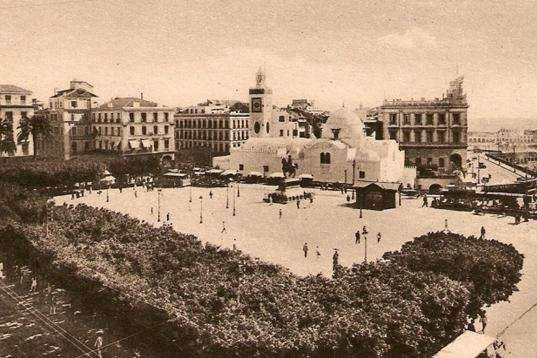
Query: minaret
260	107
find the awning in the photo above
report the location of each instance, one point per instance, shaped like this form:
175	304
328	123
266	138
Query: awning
106	172
147	143
214	171
134	144
175	175
255	174
467	345
305	176
277	175
230	172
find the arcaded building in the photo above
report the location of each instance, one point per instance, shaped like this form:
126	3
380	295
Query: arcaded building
433	133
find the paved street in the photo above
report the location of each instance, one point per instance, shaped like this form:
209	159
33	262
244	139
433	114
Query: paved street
329	223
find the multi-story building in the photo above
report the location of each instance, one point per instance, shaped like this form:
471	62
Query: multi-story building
217	126
69	114
134	126
487	141
433	133
16	104
504	140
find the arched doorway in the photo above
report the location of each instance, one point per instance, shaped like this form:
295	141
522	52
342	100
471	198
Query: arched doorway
456	161
435	188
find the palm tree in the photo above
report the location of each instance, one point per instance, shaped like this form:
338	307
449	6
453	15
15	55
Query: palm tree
37	125
7	144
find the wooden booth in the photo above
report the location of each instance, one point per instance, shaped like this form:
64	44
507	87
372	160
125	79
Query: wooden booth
376	195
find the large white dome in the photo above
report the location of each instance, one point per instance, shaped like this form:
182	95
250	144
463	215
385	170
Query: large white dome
351	128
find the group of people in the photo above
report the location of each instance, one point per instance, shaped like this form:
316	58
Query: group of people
358	236
22	274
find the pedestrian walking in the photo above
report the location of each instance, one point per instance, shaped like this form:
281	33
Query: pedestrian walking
99	343
33	285
298	204
210	194
483	232
357	237
135	193
311	199
151	210
223	227
52	304
235	244
379	237
167	216
317	252
425	202
335	258
281	213
348	198
483	322
364	230
305	249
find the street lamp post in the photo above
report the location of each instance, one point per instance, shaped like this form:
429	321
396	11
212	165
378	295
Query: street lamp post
478	170
365	250
190	198
201	209
227	195
107	195
361	203
234	211
158	204
238	189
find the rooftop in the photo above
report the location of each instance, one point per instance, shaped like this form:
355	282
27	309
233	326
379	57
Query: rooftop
12	89
122	102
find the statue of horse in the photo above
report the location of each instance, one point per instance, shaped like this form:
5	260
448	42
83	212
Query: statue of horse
288	167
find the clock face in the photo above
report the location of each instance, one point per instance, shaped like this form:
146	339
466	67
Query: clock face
257	105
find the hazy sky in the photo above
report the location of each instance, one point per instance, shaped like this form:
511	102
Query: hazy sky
182	52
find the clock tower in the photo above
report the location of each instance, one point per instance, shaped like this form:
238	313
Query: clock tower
260	107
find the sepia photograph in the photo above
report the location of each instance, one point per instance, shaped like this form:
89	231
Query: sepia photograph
268	178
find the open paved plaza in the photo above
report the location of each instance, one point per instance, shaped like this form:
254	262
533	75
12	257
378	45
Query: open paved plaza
329	223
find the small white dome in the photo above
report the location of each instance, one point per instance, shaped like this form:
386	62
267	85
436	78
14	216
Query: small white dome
351	128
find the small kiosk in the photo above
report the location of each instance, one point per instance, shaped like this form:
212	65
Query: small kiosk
376	195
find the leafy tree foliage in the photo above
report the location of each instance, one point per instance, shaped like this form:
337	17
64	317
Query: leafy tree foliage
490	269
35	126
46	173
7	144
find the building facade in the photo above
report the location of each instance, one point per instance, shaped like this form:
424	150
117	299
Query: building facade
433	133
15	105
69	114
217	126
343	153
503	140
134	126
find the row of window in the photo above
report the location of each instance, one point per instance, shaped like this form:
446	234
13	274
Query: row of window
427	138
294	133
425	118
132	130
242	135
217	147
110	145
212	123
9	99
116	117
9	115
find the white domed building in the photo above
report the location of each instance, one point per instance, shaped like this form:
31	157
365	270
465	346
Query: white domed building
343	153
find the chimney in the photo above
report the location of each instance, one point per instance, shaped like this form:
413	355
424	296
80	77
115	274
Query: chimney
141	95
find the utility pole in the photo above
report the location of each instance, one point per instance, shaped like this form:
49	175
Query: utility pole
353	176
